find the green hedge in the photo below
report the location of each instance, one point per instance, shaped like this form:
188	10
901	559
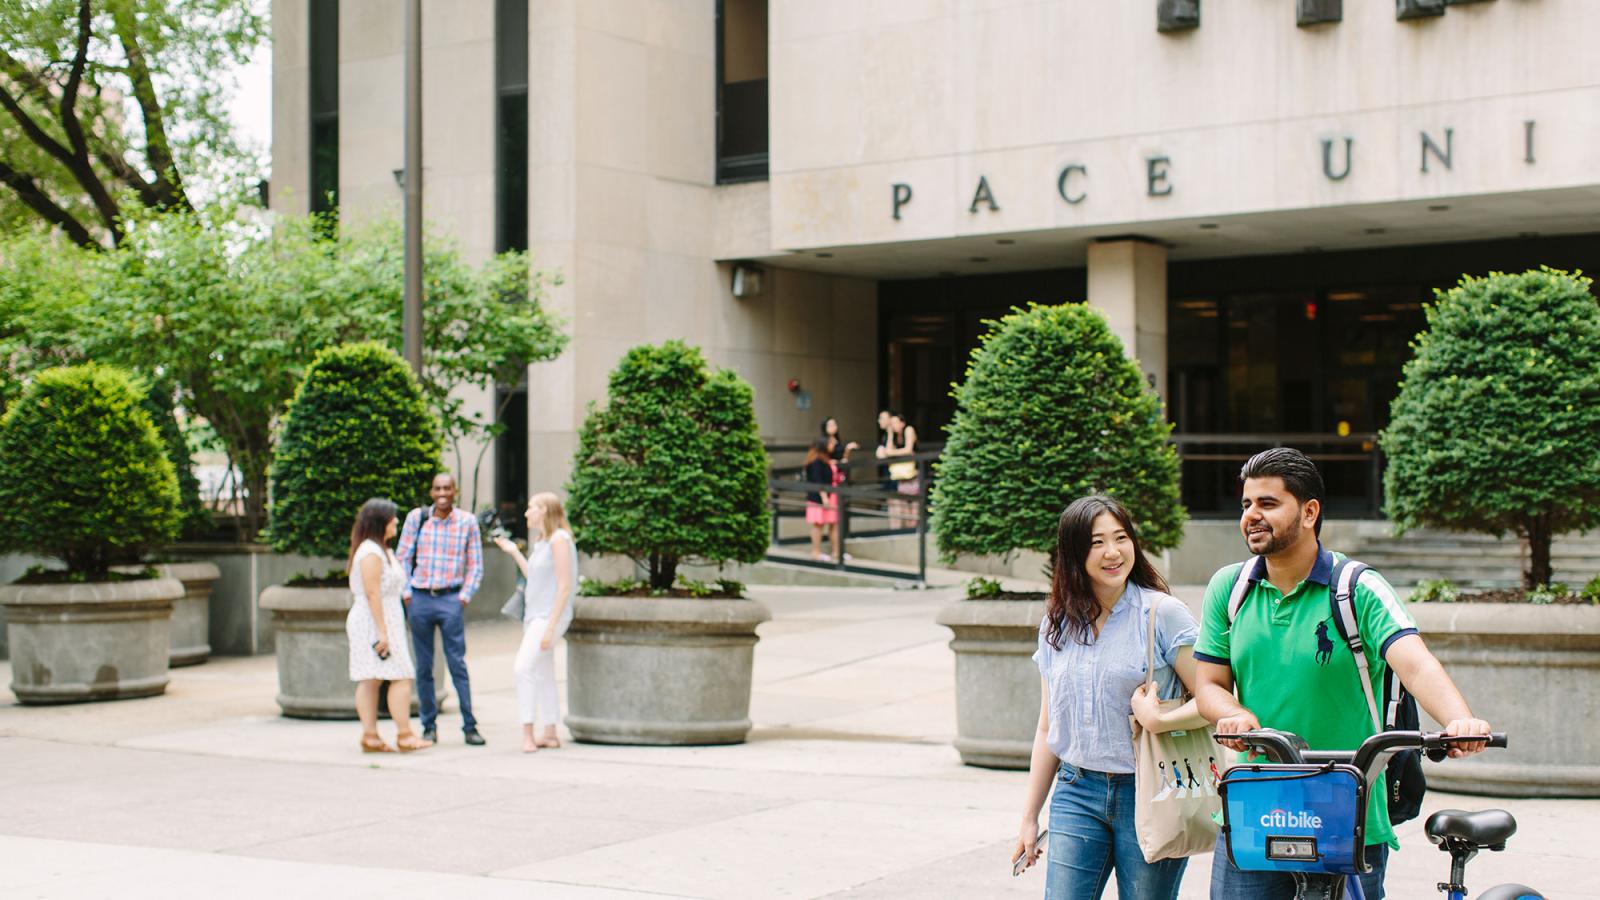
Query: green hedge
1050	410
86	477
357	428
1497	424
673	467
196	519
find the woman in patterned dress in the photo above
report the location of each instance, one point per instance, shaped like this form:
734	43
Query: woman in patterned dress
376	626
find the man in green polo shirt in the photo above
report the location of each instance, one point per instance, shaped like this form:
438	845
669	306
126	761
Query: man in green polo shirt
1284	655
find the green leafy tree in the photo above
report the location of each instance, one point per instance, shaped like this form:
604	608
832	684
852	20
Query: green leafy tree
87	480
1050	410
672	469
113	106
232	313
195	518
44	303
358	428
1497	424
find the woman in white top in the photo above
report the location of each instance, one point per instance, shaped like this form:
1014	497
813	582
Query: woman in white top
551	568
376	626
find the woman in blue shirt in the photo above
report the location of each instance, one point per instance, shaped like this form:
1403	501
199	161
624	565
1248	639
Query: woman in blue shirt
1091	658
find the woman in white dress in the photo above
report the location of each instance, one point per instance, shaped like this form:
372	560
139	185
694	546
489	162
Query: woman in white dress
376	626
551	568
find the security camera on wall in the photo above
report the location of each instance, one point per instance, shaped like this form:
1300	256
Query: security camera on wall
747	280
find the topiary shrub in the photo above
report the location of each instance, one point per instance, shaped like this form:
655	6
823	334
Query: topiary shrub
195	519
1497	424
1051	410
87	480
357	428
672	469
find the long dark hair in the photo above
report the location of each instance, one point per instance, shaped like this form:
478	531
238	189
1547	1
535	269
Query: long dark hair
817	450
1072	607
371	522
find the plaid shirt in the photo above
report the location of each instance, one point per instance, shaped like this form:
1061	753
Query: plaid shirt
449	552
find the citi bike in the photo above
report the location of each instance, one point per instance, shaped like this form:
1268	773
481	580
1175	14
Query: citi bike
1304	812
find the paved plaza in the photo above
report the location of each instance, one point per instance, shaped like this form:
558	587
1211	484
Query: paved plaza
847	788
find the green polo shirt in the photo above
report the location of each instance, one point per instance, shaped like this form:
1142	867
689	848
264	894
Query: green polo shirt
1292	670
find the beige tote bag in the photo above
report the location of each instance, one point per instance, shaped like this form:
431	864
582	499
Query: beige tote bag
1176	779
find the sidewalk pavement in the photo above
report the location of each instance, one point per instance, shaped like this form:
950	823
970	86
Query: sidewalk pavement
847	788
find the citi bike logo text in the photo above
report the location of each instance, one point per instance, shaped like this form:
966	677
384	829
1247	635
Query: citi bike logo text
1282	819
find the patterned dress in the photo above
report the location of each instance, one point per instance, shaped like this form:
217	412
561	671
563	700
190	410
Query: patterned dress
363	631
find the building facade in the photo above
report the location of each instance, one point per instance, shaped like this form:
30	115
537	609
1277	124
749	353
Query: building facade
831	196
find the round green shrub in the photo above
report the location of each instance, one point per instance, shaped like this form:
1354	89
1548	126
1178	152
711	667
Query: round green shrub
672	469
195	518
1497	424
1050	410
357	428
87	479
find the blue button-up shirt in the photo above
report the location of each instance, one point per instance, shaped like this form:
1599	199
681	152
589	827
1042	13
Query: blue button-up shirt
1091	685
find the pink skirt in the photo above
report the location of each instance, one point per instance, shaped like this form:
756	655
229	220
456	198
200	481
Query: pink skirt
824	513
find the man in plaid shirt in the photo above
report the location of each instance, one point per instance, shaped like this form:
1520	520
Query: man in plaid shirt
441	553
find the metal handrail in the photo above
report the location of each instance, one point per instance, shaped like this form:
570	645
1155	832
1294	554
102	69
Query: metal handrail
856	501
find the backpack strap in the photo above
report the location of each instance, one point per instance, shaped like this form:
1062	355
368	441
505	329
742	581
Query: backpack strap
1247	575
1341	595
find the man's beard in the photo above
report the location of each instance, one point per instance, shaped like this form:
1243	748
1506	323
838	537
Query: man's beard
1276	543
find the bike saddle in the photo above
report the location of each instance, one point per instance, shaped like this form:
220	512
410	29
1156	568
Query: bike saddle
1484	828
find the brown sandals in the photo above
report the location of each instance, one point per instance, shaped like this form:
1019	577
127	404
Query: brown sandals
409	742
371	743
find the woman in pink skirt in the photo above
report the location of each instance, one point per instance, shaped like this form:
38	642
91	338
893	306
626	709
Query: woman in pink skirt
822	507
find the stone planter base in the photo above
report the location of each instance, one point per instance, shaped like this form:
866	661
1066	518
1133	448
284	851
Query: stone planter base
997	683
72	643
191	613
1532	672
314	653
661	671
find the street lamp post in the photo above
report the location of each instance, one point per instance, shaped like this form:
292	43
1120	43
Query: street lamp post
413	187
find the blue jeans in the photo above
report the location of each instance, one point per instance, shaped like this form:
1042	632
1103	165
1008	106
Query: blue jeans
1229	882
1091	834
445	612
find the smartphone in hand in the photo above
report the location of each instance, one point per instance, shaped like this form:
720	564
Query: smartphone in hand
1021	864
383	655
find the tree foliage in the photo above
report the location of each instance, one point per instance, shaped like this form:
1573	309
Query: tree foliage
112	106
1497	424
44	307
673	468
358	428
87	480
232	313
194	517
1050	410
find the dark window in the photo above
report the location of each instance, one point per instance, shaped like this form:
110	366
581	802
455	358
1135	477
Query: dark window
323	20
511	233
741	90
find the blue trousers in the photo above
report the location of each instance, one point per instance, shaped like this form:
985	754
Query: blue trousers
445	612
1091	835
1229	882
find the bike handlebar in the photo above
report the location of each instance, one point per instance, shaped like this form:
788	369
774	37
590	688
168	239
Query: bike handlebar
1287	747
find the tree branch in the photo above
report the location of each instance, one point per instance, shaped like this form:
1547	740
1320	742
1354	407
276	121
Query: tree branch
28	191
31	128
169	183
80	167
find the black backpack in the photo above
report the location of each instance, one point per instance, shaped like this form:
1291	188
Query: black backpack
1406	783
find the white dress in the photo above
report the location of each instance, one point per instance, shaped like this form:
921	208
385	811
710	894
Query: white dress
362	631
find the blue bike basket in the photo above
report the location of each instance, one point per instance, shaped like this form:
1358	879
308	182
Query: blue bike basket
1295	818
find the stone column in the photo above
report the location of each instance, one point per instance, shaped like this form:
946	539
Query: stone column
1128	281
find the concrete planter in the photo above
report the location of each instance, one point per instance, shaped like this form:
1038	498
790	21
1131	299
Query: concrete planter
997	683
314	654
76	642
1532	672
663	671
191	613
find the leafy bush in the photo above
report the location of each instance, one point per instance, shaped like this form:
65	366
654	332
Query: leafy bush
1591	591
1545	594
672	469
1439	590
87	480
357	428
196	518
981	588
1052	410
1497	424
